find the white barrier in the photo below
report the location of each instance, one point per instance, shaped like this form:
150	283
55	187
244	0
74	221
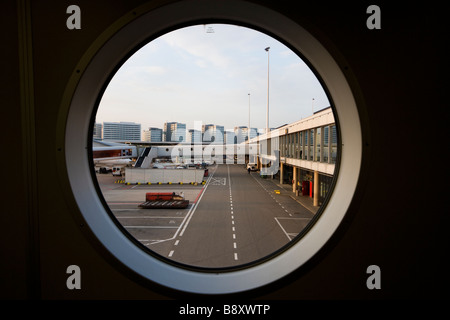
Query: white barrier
164	176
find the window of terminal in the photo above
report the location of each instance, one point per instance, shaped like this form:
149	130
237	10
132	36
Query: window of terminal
226	216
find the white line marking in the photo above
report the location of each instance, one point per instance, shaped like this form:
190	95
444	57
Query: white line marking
234	236
288	235
151	227
149	217
234	245
235	256
176	242
293	218
171	253
233	229
192	210
283	229
188	216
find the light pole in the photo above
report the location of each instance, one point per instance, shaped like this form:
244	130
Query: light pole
267	112
248	130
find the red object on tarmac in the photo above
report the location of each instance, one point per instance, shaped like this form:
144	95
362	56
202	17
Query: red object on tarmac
161	200
154	196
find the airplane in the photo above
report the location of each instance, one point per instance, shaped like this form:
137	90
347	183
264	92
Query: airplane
113	158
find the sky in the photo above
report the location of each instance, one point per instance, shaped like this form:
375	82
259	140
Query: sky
193	74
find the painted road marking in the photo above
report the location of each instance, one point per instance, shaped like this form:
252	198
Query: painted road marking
289	235
233	229
219	181
192	210
148	217
150	227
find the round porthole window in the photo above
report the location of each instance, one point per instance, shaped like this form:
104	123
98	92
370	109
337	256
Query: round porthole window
205	243
253	192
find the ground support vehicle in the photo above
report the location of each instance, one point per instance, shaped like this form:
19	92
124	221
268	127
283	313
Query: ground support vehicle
164	200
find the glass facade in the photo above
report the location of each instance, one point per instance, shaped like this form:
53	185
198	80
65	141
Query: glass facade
121	131
333	144
317	150
153	135
305	145
324	187
325	137
316	144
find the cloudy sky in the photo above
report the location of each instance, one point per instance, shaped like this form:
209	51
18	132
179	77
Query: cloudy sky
193	74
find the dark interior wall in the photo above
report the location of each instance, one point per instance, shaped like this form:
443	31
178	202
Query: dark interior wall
398	219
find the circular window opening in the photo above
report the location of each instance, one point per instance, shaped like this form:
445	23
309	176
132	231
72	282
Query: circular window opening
115	223
226	206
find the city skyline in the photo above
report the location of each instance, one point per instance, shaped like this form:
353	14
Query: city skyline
193	75
171	131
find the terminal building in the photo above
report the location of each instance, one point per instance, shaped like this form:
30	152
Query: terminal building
302	154
307	154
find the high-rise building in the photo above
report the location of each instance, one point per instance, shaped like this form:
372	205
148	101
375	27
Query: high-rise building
97	134
194	135
241	134
174	132
153	135
130	131
229	137
213	133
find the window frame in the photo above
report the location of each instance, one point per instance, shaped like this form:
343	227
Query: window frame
75	123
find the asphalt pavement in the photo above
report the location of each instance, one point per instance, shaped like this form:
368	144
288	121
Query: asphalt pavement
235	218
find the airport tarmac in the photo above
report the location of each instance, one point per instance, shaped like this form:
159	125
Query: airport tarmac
235	218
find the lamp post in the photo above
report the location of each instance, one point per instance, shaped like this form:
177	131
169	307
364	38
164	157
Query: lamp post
267	112
248	130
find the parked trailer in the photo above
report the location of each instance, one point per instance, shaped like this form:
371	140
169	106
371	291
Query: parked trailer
164	200
153	196
170	204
